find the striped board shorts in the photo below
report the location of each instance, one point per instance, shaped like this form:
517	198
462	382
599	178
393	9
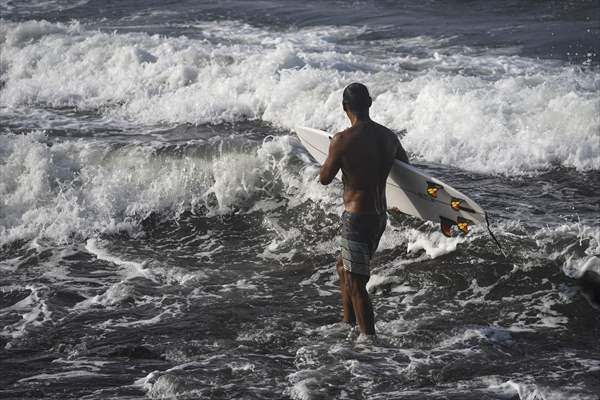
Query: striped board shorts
360	237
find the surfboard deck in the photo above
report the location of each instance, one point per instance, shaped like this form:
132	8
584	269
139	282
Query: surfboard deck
410	190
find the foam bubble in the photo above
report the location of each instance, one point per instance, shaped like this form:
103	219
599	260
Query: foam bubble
435	244
33	310
575	246
115	295
30	31
73	374
487	333
531	391
131	269
305	385
577	267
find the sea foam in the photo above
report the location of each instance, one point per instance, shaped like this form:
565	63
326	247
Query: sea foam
488	112
76	189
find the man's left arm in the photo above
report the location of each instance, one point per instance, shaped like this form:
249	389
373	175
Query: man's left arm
333	163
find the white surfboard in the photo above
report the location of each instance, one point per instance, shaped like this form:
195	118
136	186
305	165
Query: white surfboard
410	190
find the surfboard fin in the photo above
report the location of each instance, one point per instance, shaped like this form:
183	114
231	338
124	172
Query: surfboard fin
433	189
455	203
446	226
463	225
458	205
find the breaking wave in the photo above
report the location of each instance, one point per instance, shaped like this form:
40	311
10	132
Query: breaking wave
485	112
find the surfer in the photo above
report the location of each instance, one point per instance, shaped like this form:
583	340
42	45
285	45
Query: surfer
365	153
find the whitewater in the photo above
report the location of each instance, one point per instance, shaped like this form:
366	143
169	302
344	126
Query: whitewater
163	233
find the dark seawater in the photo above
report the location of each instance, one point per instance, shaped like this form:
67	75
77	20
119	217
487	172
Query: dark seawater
163	233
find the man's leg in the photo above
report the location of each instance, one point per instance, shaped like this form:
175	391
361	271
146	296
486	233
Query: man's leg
349	315
357	285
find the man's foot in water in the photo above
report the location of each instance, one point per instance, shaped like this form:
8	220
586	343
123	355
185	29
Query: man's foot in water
353	332
367	339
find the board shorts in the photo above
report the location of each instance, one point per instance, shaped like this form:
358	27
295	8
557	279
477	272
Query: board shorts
360	237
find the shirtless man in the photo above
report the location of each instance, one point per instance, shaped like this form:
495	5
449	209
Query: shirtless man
365	153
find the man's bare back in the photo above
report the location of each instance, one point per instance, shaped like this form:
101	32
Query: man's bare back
366	162
365	153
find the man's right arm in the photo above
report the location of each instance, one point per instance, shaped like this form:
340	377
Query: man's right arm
333	163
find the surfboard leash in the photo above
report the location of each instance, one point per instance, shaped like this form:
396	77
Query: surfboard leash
487	221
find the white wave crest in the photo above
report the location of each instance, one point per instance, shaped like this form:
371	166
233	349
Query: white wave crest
488	112
83	188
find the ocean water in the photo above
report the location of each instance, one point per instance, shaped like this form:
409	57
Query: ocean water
163	233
